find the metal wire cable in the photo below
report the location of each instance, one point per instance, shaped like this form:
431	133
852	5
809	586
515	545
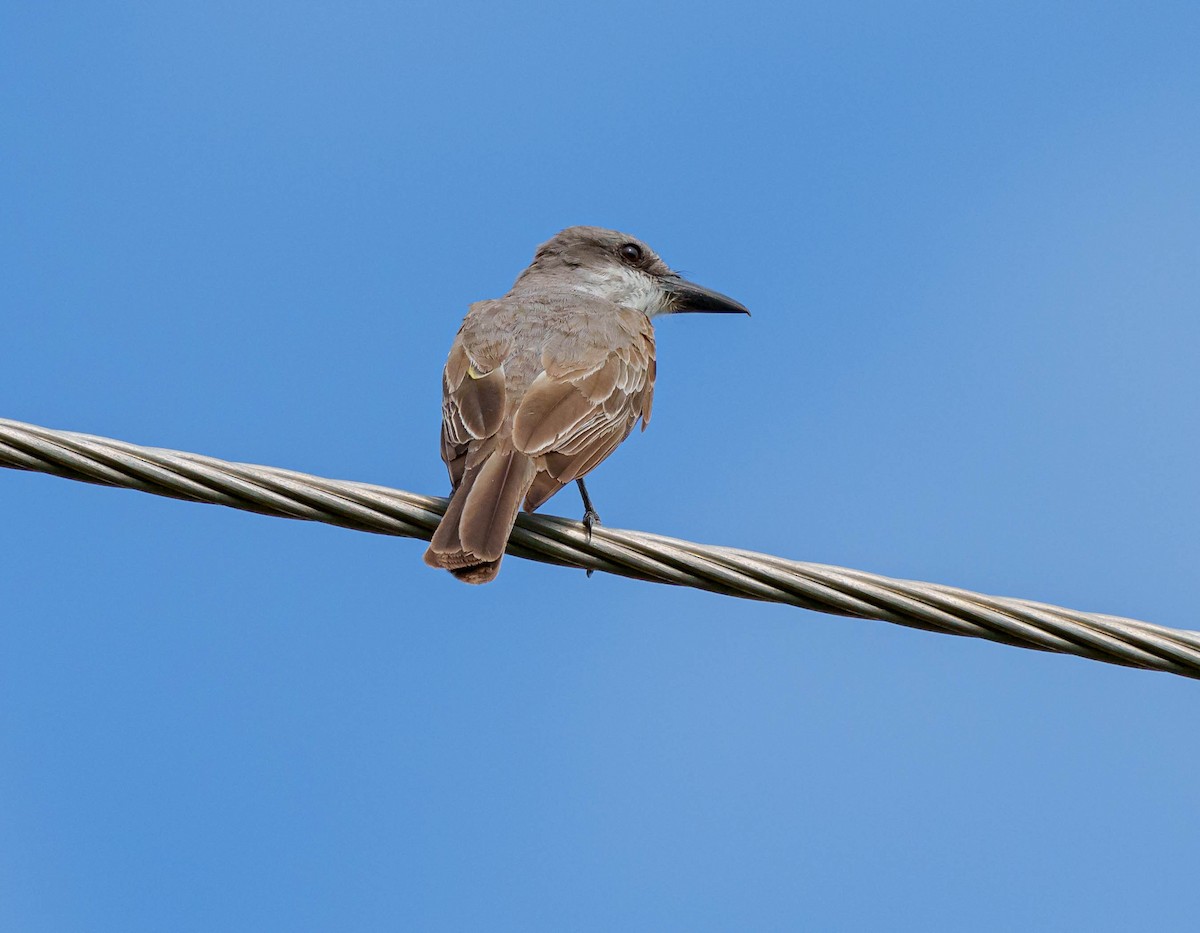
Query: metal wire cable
823	588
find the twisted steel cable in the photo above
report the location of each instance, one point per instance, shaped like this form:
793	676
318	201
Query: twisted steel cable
823	588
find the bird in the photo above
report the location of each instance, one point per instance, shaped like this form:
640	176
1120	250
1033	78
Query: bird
542	384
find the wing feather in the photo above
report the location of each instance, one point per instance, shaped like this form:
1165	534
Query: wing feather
472	407
577	411
592	387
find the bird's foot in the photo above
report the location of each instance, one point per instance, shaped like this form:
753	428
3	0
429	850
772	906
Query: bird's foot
590	518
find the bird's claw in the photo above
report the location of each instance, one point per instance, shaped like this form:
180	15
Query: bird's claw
590	518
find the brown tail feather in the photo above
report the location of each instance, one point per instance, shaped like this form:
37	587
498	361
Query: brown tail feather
470	540
479	573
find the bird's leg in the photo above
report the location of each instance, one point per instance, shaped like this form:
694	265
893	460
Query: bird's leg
590	515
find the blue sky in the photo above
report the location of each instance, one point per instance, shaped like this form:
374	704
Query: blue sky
968	233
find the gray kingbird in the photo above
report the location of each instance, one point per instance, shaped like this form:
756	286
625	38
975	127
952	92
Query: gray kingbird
543	384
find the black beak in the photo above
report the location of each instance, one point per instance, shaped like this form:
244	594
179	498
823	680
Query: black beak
687	296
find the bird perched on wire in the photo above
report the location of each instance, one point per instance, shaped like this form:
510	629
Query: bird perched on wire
543	384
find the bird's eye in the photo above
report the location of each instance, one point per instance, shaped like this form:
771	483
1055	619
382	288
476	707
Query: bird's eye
631	252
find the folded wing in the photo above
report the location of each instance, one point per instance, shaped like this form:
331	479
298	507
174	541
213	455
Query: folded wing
584	403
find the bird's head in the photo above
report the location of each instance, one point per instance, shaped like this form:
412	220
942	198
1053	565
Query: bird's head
620	268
